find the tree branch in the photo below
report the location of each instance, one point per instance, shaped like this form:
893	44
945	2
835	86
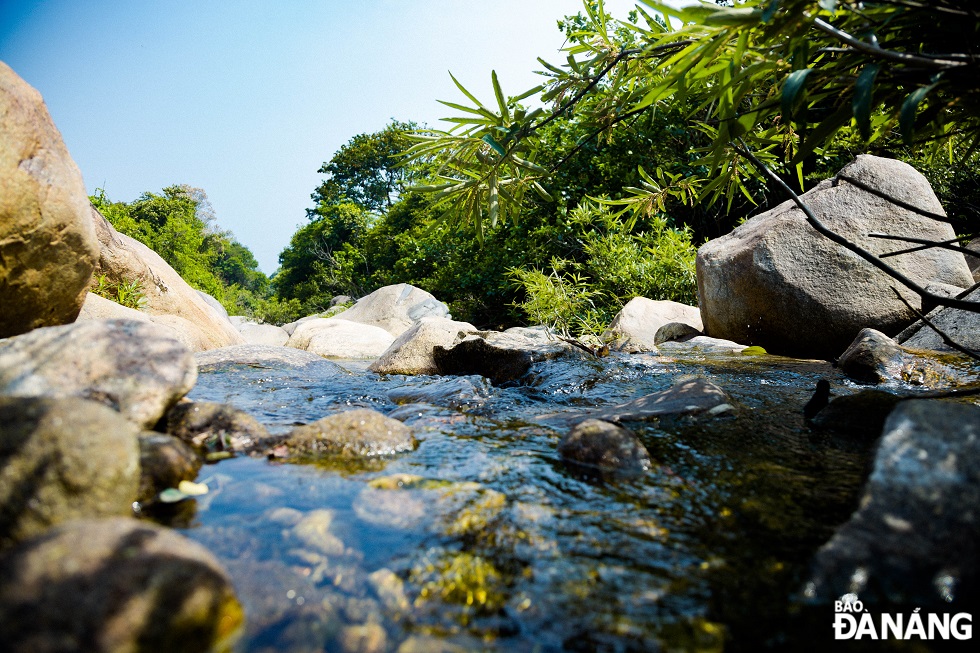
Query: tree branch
949	341
888	55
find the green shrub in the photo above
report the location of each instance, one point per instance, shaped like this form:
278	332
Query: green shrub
127	293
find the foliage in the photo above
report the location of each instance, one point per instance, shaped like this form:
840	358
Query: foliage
128	293
782	76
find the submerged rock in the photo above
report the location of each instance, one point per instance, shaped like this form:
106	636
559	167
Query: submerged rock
62	459
914	538
165	461
395	308
266	356
211	427
412	352
47	244
606	446
133	367
776	282
359	432
635	327
686	397
115	585
861	414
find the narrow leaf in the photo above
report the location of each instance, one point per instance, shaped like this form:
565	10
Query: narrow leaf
792	88
910	106
489	140
498	92
861	103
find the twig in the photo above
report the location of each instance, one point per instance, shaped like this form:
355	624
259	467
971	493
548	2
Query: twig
925	243
949	341
939	217
880	53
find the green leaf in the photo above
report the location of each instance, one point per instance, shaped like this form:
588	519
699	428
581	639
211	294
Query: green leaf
910	106
792	88
542	193
172	495
497	147
861	103
466	93
498	92
754	351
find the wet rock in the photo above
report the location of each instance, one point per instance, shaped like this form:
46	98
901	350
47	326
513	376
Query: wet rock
502	357
634	329
390	589
458	393
47	245
775	282
114	585
359	432
210	427
429	644
363	638
383	507
873	357
914	538
336	338
606	446
266	356
165	461
861	414
675	331
411	353
700	344
264	334
963	327
395	308
313	532
686	397
169	299
132	367
62	459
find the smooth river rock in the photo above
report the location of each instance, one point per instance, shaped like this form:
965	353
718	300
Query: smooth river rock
634	329
412	352
777	283
359	432
608	447
62	459
48	247
395	308
339	338
110	585
211	427
686	397
133	367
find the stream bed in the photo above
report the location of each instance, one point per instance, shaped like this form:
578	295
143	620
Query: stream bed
482	539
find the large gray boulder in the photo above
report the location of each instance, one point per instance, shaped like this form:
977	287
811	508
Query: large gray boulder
634	329
336	338
133	367
47	244
63	459
107	585
411	352
914	538
169	300
776	282
395	308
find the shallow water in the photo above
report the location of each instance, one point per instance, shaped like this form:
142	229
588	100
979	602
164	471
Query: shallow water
483	539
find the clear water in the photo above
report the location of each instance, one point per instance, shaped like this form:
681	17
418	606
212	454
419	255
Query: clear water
482	539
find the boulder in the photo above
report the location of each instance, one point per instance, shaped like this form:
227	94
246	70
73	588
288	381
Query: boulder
873	357
675	332
133	367
359	432
609	447
210	427
776	282
336	338
47	244
264	334
634	329
685	397
186	333
502	357
62	459
914	538
123	260
214	303
963	327
699	344
411	352
115	585
395	308
165	461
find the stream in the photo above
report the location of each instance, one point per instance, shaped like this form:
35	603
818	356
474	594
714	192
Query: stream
482	539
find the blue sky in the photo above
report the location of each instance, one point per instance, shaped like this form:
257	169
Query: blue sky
247	99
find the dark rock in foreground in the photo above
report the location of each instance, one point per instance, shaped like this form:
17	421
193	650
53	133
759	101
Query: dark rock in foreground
62	459
112	585
606	446
914	539
211	427
165	461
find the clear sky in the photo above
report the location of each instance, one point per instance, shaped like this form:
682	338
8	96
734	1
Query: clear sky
247	99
